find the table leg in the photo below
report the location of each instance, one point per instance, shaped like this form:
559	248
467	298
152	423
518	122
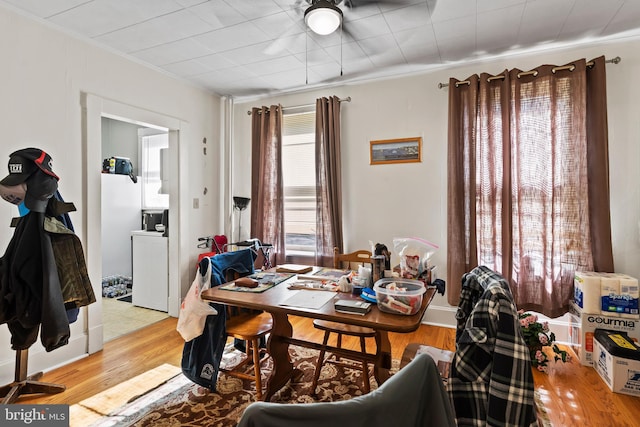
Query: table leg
383	357
278	348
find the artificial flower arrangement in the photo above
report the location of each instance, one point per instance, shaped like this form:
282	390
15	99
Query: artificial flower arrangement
537	335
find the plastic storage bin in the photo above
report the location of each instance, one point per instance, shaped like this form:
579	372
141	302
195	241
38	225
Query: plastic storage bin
399	296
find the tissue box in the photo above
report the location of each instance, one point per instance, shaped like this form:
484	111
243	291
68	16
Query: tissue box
583	325
617	361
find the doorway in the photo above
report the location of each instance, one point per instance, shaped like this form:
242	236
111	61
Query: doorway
128	195
96	108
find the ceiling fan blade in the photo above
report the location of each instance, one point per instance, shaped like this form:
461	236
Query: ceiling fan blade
350	75
358	3
282	42
300	4
346	33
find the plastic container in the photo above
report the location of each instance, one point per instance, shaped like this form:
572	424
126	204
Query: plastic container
399	296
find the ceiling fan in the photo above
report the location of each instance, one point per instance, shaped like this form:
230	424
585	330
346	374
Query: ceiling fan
323	17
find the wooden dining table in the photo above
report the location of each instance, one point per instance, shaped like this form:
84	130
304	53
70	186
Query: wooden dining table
274	300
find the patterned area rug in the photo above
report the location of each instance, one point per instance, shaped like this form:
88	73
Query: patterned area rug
541	411
179	402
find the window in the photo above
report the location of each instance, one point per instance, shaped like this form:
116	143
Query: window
299	179
545	194
528	181
152	149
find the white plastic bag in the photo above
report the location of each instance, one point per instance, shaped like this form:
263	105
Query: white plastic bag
194	310
414	254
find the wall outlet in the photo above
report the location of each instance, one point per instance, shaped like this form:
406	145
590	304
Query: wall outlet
196	203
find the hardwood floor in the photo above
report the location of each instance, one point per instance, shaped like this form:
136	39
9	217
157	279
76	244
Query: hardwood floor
573	394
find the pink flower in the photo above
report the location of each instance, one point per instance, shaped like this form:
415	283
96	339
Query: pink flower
534	339
543	338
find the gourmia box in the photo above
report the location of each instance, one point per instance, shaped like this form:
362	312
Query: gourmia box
582	327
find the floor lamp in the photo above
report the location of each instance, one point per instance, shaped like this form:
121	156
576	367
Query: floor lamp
240	204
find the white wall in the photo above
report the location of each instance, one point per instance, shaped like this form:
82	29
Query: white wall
43	77
120	139
121	198
386	201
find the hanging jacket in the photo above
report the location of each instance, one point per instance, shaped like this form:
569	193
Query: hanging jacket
490	383
31	290
59	209
202	355
70	264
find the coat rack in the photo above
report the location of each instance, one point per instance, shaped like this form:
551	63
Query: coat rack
26	384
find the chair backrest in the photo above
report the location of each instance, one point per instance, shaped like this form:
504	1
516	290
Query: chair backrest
414	396
360	257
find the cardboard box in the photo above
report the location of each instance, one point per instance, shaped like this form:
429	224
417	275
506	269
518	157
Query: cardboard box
617	361
583	325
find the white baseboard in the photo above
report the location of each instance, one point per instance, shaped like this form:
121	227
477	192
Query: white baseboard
445	316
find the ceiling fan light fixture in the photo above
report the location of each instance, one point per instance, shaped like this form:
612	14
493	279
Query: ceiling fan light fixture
323	17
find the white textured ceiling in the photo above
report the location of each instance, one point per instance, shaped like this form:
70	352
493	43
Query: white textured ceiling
254	47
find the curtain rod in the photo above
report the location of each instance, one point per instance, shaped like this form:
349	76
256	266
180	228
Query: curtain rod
534	73
347	99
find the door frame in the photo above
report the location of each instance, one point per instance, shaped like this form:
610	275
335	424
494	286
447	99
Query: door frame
95	107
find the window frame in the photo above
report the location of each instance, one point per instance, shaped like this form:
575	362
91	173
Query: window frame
293	136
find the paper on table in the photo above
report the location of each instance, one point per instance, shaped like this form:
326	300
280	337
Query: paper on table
309	299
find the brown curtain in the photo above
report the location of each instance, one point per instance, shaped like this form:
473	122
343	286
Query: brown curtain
267	201
528	186
328	180
461	218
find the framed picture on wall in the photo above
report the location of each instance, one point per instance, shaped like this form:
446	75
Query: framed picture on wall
402	150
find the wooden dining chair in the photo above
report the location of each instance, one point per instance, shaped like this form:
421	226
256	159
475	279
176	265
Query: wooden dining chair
251	328
351	260
342	260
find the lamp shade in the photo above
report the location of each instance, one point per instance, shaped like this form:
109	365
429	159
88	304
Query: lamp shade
240	203
323	17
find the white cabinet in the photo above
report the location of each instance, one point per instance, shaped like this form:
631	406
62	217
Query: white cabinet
150	270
